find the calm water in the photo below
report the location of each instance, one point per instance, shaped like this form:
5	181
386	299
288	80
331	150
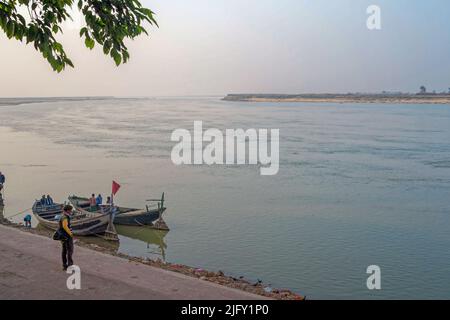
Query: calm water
358	185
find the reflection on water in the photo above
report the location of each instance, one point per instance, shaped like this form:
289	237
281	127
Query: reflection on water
358	185
153	239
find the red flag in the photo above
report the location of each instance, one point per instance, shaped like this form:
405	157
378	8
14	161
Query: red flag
115	187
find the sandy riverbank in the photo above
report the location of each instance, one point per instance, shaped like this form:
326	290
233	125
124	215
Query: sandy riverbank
20	101
342	98
23	249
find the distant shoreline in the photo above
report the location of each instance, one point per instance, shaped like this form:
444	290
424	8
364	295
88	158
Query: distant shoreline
344	98
20	101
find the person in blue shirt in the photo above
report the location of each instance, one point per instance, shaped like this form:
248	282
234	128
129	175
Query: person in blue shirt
49	200
2	180
27	221
99	200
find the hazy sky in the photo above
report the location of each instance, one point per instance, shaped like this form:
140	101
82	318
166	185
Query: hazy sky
214	47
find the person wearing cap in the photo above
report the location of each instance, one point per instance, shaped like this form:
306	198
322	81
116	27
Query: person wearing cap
67	243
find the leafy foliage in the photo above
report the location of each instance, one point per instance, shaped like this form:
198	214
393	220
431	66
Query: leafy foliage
108	23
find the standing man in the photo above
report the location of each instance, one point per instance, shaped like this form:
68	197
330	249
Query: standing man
67	244
2	180
99	200
50	200
93	203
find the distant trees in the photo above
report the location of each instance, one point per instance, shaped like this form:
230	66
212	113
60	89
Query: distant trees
423	89
108	23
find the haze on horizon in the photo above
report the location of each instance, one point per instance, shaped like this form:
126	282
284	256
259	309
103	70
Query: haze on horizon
254	46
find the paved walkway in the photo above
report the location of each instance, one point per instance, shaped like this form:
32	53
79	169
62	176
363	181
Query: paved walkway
30	268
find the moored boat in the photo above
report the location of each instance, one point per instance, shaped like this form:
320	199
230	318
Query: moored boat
82	224
122	215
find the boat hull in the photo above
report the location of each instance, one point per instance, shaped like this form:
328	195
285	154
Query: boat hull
123	216
82	225
138	219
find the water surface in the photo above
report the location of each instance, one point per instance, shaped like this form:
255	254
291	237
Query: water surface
358	185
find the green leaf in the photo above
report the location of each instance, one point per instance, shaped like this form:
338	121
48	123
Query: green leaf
108	23
83	31
58	47
69	62
31	34
106	47
90	43
126	56
10	29
22	20
116	56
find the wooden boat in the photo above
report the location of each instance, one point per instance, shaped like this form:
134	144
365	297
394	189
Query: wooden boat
83	224
122	215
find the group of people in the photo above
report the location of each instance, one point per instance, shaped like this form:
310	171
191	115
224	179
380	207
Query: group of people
46	200
65	228
64	223
95	202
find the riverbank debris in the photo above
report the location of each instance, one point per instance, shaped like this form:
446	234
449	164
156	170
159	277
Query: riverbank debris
218	277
